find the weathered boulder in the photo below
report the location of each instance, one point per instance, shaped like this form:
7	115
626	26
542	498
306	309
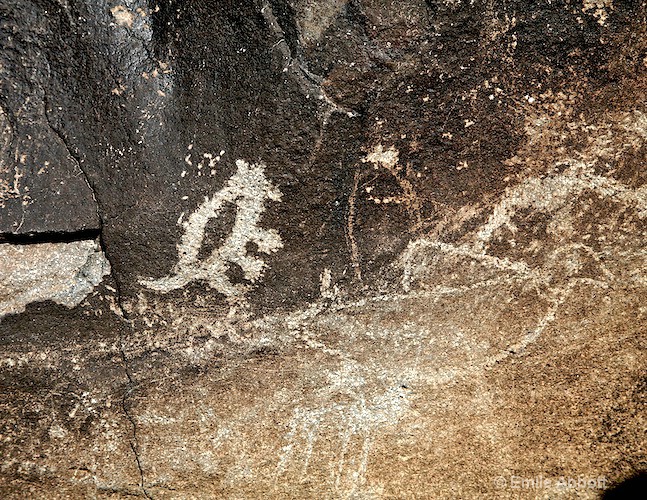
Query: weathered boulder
346	248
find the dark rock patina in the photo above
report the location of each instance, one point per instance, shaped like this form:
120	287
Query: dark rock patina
356	233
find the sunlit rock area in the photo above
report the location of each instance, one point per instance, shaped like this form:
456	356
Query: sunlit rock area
323	249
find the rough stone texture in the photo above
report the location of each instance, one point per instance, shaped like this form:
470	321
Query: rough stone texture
42	186
358	249
64	273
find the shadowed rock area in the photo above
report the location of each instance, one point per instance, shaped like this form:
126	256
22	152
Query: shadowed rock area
336	248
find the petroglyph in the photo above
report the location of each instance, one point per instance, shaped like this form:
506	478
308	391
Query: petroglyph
455	270
123	16
553	192
248	189
353	426
388	159
599	8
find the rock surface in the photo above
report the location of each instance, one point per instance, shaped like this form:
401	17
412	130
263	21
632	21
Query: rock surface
64	273
337	248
